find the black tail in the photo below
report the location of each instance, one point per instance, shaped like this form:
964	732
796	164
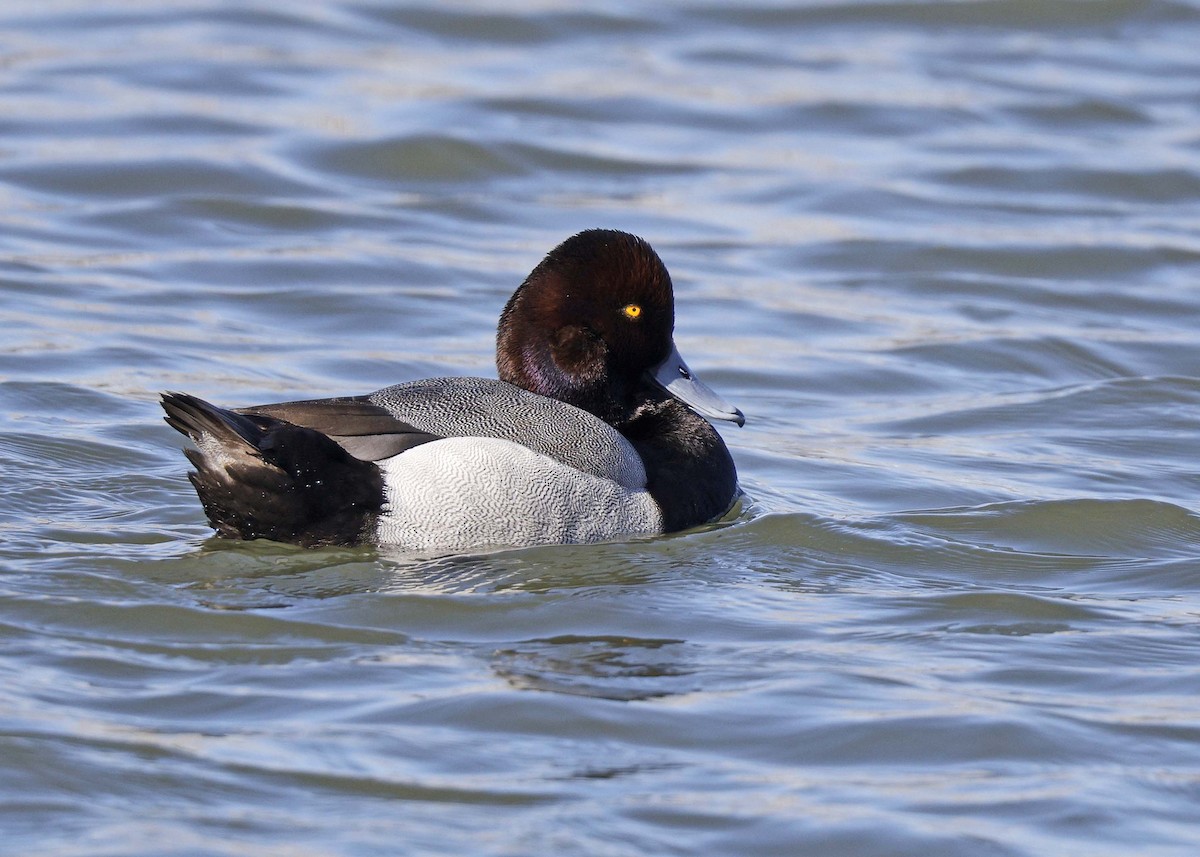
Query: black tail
259	477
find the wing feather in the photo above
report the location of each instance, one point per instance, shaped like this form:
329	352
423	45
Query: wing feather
365	430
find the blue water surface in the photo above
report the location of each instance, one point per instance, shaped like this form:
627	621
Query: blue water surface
945	256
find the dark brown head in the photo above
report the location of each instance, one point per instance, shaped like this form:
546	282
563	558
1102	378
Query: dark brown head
592	326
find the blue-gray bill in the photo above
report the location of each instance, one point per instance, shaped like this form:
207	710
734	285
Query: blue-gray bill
674	376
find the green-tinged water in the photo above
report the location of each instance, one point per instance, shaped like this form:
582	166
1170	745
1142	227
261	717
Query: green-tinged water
944	255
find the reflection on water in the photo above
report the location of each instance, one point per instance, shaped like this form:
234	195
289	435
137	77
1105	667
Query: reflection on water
942	254
603	667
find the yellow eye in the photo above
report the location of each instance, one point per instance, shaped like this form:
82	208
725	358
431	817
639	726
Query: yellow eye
632	311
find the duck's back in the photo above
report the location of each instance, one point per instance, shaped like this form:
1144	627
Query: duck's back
471	462
486	408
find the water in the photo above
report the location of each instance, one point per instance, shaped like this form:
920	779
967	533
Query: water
946	258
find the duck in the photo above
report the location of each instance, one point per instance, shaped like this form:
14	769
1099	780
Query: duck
595	430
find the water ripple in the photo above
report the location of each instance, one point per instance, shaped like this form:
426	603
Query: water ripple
942	254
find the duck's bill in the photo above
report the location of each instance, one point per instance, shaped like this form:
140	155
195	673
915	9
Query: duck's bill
676	378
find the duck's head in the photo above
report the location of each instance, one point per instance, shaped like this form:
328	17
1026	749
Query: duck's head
592	325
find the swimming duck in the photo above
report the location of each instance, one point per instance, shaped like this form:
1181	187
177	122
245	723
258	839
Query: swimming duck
594	431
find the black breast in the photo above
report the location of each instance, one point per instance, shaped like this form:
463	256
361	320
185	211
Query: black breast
689	471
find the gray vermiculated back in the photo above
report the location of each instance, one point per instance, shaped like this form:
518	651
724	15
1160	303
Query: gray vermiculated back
484	407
